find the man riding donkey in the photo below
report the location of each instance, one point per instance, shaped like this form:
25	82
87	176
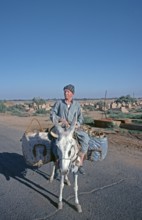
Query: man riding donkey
63	112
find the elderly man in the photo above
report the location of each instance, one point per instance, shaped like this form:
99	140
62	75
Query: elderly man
63	111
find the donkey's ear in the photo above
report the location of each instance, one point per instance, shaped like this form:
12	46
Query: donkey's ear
55	121
58	127
74	120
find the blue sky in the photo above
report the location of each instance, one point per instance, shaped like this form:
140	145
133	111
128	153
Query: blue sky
96	45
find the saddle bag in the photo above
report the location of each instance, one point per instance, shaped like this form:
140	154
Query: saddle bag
36	146
98	147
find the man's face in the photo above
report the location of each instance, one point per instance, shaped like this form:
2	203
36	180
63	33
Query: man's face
68	94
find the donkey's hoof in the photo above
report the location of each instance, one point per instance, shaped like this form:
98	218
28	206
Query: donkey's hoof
51	180
78	207
67	182
60	205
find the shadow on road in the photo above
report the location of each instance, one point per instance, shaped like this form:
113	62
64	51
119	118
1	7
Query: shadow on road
12	165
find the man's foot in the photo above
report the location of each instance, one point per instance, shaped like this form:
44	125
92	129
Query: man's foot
80	159
81	170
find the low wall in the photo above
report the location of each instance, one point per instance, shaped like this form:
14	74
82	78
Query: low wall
130	126
106	123
110	123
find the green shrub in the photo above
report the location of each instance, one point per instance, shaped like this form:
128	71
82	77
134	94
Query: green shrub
88	120
3	108
42	111
137	121
139	116
116	114
89	107
16	108
120	115
126	99
139	110
134	132
101	104
38	101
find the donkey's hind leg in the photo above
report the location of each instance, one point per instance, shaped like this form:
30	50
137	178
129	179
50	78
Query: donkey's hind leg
67	180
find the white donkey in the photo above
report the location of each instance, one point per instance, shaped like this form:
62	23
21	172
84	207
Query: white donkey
67	152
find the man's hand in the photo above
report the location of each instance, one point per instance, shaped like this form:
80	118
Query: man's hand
64	122
76	126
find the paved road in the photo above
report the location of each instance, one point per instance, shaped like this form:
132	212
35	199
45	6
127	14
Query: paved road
111	189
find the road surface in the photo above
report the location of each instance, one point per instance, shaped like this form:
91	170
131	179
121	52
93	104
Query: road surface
110	190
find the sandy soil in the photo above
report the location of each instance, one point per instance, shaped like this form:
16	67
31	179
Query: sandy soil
43	122
24	123
122	141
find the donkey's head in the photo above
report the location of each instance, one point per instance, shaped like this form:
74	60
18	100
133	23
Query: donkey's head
66	146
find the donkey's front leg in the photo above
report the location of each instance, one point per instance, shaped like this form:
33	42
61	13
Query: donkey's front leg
60	204
78	206
52	174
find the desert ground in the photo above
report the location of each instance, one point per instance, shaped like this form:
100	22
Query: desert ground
24	123
111	189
